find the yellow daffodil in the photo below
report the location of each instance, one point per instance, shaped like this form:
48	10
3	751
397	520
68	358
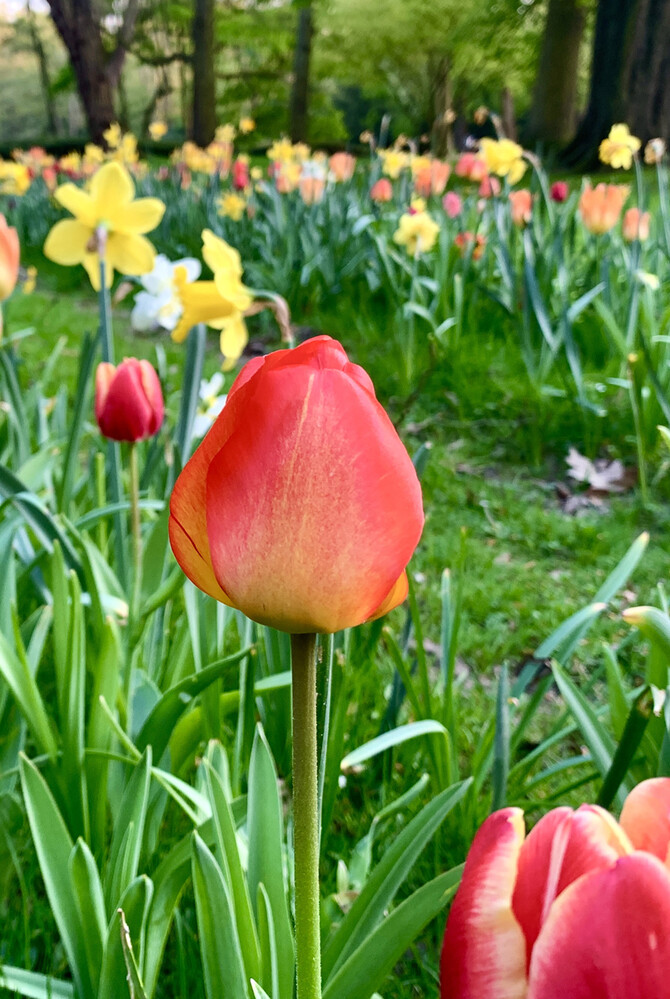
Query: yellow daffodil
247	125
14	178
281	150
112	135
618	149
394	162
503	158
417	232
107	209
157	129
225	133
93	153
232	206
219	303
28	286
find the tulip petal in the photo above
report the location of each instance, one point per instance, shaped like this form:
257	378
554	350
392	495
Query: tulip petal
140	216
397	595
646	817
79	203
562	847
484	952
129	254
607	936
66	243
304	525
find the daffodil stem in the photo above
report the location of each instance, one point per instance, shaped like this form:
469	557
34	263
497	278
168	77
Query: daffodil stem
306	818
105	311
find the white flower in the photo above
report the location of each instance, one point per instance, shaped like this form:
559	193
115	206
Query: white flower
648	280
211	404
158	305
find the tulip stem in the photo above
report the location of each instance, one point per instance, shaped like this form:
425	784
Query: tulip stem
135	528
306	818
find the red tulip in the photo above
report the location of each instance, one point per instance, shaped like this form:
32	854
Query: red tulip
579	909
301	506
240	174
128	400
559	191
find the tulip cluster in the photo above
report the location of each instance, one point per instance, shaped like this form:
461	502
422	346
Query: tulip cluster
578	909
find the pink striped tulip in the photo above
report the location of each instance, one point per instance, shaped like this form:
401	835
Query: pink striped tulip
578	909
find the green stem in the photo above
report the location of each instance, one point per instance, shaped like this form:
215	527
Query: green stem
105	312
306	818
135	521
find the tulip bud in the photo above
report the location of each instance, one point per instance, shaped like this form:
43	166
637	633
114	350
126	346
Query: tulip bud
128	400
559	191
301	507
9	258
382	190
635	225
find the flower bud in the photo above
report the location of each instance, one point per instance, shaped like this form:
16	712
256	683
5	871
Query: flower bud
128	400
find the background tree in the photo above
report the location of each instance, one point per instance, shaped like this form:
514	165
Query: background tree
299	109
204	78
96	54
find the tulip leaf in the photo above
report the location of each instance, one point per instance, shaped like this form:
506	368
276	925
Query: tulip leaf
88	897
222	962
78	414
133	977
381	887
32	985
403	733
16	673
124	854
634	729
135	906
376	953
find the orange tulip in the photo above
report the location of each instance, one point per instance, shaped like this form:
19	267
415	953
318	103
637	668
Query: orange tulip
342	166
635	225
128	400
578	909
301	507
382	190
521	205
600	206
9	258
432	179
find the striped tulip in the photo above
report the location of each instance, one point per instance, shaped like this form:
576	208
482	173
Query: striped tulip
578	909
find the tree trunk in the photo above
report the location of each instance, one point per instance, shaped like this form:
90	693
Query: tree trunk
552	117
38	48
204	80
648	82
97	73
508	115
299	106
615	23
442	140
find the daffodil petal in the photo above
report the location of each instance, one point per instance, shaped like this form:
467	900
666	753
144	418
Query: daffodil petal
111	190
140	216
78	203
67	241
233	337
129	253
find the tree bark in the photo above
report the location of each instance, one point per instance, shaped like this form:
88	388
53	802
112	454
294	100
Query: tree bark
299	106
552	117
442	94
97	73
648	77
615	21
38	48
204	79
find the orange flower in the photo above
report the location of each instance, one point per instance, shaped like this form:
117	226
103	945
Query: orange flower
9	258
312	188
471	167
301	506
600	206
342	166
578	909
465	239
432	179
635	225
521	205
382	190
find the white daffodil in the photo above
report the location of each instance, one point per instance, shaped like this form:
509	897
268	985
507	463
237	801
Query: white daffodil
211	404
158	305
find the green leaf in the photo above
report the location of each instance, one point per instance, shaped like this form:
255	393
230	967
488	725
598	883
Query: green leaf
377	953
53	847
380	888
501	743
403	733
33	985
78	414
636	723
134	979
88	897
24	687
222	961
135	905
266	861
124	854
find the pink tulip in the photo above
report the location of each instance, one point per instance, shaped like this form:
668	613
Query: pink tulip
578	909
452	204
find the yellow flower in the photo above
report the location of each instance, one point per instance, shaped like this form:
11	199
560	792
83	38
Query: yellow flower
232	205
70	163
504	158
93	153
30	281
417	232
225	133
219	303
256	173
393	162
14	178
419	163
247	125
157	130
112	135
618	148
281	150
107	206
